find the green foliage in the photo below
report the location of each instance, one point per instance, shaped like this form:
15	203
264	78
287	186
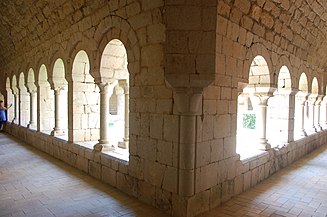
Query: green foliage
249	121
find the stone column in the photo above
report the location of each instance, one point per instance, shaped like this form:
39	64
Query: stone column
188	102
317	110
261	123
120	101
124	143
33	110
302	100
58	131
106	91
312	101
16	99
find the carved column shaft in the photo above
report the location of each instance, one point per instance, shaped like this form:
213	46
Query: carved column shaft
261	122
188	105
33	110
125	142
106	91
57	131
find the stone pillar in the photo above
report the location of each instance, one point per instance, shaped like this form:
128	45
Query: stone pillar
188	102
16	100
312	101
58	131
106	91
317	111
120	101
33	110
291	115
38	109
124	143
302	100
261	123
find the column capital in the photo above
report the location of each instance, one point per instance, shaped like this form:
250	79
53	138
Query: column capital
312	98
106	87
287	91
319	100
124	84
188	100
32	90
261	99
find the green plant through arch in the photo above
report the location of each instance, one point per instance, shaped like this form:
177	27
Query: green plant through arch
249	121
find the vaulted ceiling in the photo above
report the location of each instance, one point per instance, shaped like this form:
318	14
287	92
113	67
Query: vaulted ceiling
25	24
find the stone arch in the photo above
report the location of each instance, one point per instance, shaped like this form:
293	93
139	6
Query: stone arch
10	99
57	76
45	102
114	61
284	78
115	35
24	113
30	80
81	63
87	126
53	61
280	117
259	72
303	83
315	86
283	62
43	61
254	51
58	82
14	84
78	43
32	89
123	32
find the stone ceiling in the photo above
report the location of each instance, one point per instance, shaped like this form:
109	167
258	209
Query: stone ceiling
25	24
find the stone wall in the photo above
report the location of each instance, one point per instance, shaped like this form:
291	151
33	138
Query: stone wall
186	61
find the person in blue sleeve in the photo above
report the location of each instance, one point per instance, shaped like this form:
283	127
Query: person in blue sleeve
3	117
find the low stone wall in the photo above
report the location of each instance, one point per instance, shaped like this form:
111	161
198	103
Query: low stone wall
115	172
254	170
100	166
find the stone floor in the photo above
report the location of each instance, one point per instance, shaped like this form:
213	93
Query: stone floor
37	185
298	190
34	184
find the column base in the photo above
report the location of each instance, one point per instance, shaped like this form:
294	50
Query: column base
313	130
103	146
319	128
124	144
303	133
264	145
57	132
31	126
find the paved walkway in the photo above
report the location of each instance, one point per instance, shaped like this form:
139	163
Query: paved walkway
37	185
297	190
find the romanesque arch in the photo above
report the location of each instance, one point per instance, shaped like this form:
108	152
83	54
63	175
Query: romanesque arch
45	102
9	100
24	103
252	108
59	85
32	91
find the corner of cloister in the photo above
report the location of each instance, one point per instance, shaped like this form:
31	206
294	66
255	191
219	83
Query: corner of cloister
180	104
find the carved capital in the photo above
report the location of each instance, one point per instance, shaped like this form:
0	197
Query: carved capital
124	85
188	100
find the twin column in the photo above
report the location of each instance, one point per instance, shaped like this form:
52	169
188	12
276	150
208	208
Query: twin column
106	90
